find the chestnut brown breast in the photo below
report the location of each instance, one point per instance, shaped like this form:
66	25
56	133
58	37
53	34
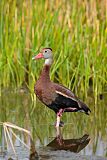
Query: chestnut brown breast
45	92
44	88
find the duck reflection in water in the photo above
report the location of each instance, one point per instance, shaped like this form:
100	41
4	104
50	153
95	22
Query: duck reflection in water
73	145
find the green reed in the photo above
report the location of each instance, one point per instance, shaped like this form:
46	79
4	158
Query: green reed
76	31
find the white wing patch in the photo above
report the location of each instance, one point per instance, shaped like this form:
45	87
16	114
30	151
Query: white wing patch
68	97
64	95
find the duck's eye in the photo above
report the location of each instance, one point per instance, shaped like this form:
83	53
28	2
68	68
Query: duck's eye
45	51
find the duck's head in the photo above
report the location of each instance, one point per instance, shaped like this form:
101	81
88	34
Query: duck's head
45	53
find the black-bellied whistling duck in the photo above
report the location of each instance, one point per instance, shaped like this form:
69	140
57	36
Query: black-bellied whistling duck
55	96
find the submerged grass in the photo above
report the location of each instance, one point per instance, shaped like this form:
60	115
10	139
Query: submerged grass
75	29
8	133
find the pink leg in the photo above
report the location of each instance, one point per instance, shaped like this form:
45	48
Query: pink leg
59	114
58	121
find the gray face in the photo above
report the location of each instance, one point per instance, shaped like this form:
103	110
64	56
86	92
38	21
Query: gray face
47	53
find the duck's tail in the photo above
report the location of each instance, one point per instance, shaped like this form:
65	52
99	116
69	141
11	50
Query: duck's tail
84	108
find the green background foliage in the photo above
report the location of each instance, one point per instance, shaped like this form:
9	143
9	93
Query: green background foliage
76	31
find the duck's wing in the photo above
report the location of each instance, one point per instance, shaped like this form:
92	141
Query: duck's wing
68	97
64	91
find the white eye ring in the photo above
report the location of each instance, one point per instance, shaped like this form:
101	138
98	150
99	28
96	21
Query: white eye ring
45	51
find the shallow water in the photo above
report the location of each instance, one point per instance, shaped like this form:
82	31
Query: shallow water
82	137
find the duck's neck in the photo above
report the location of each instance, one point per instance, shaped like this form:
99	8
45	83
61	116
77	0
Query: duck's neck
46	70
49	61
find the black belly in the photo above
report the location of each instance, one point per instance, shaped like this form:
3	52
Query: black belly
62	102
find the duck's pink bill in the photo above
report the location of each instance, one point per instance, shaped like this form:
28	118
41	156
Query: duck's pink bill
40	55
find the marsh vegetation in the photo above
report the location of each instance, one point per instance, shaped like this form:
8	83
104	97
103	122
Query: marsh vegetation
76	31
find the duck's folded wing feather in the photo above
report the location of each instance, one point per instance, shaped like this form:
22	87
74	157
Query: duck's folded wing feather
70	98
66	93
